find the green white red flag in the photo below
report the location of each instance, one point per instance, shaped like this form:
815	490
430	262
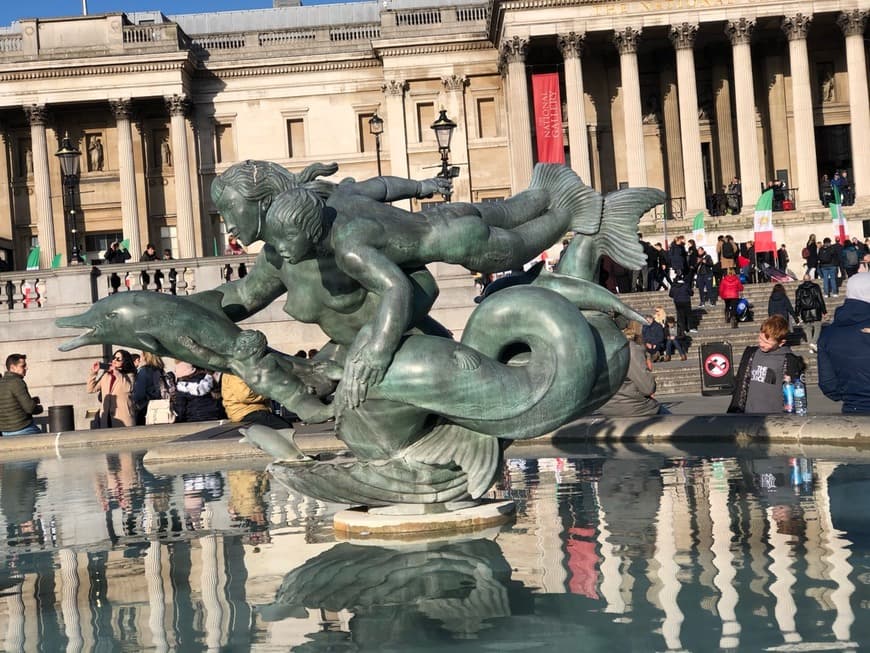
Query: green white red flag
837	214
764	223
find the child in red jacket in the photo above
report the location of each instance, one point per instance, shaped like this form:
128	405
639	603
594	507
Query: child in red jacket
729	290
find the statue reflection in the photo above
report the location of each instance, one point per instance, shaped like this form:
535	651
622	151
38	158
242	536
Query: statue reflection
401	593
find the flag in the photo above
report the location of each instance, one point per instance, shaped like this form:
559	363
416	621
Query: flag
125	244
764	223
837	215
55	262
548	117
33	259
698	233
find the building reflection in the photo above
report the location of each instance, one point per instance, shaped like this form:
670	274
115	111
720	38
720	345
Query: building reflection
686	553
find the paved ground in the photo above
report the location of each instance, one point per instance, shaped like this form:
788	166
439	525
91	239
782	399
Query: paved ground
696	404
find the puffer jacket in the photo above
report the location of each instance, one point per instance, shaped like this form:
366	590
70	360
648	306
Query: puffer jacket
844	357
17	407
730	287
194	401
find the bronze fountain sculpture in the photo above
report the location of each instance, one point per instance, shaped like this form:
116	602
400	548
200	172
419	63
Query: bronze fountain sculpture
426	417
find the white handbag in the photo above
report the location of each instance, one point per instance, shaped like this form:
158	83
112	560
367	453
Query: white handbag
159	411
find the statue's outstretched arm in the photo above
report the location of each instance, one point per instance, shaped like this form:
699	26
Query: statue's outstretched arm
243	297
390	189
373	349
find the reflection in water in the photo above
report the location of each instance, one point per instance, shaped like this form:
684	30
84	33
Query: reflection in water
633	549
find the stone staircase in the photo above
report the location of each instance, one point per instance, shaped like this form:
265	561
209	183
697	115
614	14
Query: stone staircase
684	377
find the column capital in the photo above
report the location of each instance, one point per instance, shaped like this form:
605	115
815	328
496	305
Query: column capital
122	109
394	87
37	114
626	40
178	105
796	27
852	22
571	44
683	35
453	83
740	31
514	50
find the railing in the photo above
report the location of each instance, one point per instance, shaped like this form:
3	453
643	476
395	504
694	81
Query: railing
220	42
11	42
144	33
355	32
674	208
283	37
467	14
419	17
724	204
42	289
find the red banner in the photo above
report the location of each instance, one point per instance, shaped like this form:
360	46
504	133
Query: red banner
548	117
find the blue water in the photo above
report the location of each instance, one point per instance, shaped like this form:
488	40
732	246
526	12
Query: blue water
617	551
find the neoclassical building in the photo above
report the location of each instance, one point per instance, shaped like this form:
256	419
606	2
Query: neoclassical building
678	94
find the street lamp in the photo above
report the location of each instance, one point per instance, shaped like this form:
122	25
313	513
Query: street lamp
70	160
376	128
443	128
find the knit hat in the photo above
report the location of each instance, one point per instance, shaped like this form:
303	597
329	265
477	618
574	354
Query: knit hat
183	369
858	287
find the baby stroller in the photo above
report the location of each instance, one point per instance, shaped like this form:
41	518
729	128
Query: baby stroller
743	309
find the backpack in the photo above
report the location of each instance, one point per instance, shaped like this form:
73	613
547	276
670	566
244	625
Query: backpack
167	386
805	252
851	257
727	250
826	255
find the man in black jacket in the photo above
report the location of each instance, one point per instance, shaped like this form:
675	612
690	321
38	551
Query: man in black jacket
17	407
809	305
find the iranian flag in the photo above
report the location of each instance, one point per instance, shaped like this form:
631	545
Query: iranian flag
837	215
699	234
764	223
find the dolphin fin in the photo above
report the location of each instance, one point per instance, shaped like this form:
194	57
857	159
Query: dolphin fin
569	193
477	454
617	233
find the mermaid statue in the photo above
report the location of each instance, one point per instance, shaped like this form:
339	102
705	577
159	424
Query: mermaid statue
426	417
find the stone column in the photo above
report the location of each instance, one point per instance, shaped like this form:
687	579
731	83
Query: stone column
683	38
671	123
626	42
454	90
37	116
571	45
397	137
795	28
179	106
122	110
724	120
740	33
852	23
513	66
396	134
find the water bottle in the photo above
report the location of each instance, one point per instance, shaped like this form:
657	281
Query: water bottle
787	395
800	396
795	475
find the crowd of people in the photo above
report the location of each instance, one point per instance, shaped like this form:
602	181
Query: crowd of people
118	252
840	181
834	261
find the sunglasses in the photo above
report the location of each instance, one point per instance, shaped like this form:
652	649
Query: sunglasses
119	358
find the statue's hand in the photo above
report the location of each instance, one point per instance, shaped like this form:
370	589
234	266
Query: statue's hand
365	368
442	185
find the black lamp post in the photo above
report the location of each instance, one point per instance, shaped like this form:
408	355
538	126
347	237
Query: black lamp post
376	128
443	128
70	161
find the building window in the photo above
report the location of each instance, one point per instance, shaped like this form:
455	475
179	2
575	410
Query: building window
295	138
224	146
169	240
97	244
487	125
425	118
366	138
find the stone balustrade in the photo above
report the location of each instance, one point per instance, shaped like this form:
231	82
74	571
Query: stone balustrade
33	290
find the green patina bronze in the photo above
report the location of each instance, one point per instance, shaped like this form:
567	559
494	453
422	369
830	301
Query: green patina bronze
425	416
